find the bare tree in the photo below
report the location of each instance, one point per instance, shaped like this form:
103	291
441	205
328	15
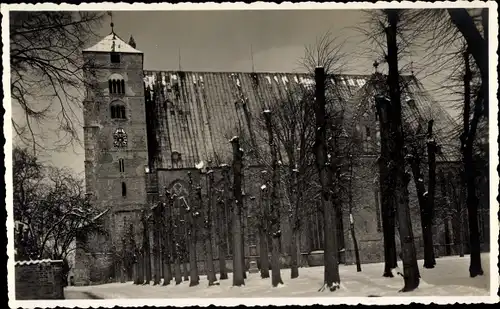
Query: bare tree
274	203
52	210
212	280
411	273
224	203
416	152
332	277
166	234
238	269
444	30
47	70
192	216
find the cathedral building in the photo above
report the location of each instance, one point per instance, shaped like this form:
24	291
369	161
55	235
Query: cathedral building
144	130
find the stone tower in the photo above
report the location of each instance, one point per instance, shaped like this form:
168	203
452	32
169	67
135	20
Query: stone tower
116	153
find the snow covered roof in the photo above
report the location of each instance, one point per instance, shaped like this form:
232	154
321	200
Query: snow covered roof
112	43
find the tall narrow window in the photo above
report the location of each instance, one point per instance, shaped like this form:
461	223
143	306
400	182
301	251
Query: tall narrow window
124	189
122	112
121	164
122	82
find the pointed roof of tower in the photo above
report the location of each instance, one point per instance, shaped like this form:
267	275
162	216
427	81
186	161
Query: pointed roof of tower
131	42
112	43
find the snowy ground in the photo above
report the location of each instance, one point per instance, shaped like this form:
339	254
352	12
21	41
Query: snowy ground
449	278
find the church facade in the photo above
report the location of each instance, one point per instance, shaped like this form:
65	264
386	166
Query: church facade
145	130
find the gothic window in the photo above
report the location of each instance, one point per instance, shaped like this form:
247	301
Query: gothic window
120	138
223	214
118	111
121	165
124	189
180	191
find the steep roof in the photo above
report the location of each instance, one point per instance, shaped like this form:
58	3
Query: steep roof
112	43
196	113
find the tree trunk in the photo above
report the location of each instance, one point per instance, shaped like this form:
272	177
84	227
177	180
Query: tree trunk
140	267
167	230
238	279
468	137
356	249
156	244
332	276
212	279
425	216
275	204
295	200
264	255
475	267
429	259
243	240
193	215
387	207
177	271
351	218
294	255
147	251
401	178
222	226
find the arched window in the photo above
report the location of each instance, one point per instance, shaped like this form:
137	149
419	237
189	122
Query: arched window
116	84
118	110
124	189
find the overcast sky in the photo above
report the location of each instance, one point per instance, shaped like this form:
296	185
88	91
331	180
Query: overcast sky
222	40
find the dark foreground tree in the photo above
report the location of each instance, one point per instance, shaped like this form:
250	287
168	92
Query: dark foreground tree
415	157
332	276
274	203
166	234
146	246
224	203
444	29
192	218
396	152
263	229
212	279
238	269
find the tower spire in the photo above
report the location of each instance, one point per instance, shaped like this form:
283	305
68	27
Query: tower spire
131	42
112	24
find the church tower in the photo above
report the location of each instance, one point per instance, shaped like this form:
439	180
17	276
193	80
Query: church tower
116	153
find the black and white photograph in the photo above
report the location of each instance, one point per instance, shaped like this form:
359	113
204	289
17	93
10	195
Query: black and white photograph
251	154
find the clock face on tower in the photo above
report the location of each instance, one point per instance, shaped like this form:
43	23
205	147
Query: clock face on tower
120	138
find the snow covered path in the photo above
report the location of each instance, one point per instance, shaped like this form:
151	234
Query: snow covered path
449	278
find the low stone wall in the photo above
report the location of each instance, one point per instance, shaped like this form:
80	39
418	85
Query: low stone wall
41	279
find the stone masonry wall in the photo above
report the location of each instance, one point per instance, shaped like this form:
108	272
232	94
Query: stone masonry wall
39	280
